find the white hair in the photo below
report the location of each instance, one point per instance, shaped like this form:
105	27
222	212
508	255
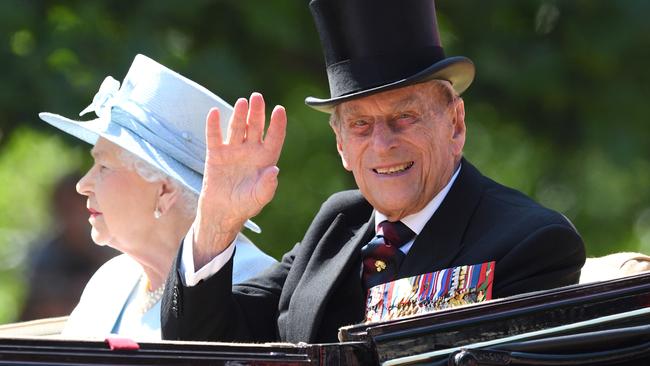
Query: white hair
188	199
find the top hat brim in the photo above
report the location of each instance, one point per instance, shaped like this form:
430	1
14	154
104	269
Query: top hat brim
458	70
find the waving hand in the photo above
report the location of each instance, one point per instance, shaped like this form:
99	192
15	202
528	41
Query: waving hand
240	175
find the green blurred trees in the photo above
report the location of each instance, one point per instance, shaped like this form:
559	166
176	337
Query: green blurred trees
560	102
558	108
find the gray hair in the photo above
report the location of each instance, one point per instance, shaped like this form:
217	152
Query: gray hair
188	199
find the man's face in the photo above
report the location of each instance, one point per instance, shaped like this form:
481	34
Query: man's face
402	145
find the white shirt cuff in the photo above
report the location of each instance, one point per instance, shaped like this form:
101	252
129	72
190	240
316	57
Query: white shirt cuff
189	276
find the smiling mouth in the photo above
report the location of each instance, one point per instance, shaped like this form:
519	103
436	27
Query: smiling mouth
395	169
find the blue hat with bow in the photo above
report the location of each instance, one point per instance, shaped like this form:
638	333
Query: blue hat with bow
156	114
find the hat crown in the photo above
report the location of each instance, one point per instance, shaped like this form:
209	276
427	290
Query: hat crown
179	105
374	45
354	29
367	43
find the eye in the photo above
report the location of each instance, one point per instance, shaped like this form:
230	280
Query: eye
359	123
405	117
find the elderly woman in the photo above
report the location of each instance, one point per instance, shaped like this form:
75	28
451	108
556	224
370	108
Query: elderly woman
142	193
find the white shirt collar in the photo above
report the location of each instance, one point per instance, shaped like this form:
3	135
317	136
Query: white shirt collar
417	220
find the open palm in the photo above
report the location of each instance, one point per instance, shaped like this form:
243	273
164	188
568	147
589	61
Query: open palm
240	175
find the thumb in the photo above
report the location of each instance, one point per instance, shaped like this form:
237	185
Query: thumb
266	185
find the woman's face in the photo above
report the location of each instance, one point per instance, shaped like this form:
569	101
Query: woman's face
121	203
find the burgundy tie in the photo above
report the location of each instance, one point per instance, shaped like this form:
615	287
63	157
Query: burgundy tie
382	257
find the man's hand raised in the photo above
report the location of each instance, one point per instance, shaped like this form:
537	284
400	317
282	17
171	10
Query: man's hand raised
240	174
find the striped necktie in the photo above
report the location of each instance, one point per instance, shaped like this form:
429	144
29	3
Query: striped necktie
381	256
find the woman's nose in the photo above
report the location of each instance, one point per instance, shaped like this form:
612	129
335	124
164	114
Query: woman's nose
84	185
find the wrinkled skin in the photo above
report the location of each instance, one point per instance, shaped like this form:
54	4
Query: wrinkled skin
402	145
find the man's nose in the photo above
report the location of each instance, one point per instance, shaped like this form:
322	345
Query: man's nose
384	138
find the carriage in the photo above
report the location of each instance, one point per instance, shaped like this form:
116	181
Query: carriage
602	323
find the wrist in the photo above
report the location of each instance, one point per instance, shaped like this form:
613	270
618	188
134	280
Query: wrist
211	238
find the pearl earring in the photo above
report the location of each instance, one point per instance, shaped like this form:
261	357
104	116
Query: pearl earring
157	213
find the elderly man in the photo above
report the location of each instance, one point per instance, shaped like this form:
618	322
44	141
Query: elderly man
400	129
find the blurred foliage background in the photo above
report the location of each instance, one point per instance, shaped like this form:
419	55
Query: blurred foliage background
558	108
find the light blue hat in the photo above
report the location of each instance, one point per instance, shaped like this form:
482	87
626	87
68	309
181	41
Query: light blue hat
156	114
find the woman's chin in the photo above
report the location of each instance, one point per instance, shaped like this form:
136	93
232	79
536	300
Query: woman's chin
99	239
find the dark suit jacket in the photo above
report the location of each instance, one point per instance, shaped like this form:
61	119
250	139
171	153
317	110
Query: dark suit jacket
316	288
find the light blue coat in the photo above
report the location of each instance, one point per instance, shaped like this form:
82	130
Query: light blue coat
109	289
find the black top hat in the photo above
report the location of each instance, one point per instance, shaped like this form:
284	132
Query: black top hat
375	45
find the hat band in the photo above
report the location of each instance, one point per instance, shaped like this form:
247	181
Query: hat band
354	75
179	145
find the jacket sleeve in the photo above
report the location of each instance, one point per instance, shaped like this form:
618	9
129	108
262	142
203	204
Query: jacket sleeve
214	310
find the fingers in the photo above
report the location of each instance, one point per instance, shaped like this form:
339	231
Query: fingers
255	118
247	124
213	129
237	126
276	132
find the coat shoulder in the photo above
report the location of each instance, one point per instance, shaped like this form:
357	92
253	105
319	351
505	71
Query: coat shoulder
517	208
103	298
534	247
121	266
500	208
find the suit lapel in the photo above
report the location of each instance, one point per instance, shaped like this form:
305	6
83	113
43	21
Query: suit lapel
441	238
328	267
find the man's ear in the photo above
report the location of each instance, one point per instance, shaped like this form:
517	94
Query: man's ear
339	148
168	194
459	128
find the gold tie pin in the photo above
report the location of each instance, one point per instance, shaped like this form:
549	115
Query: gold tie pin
380	265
